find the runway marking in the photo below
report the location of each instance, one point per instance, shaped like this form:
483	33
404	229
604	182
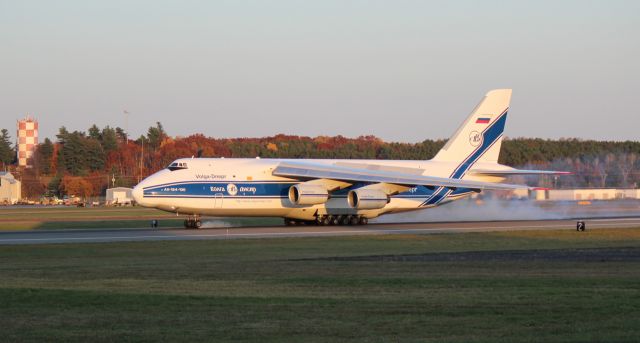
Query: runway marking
381	231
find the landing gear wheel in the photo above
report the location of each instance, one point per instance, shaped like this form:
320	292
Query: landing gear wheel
353	220
363	221
289	222
343	220
323	221
192	223
333	220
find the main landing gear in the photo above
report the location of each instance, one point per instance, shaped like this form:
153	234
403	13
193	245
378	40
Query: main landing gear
193	222
327	220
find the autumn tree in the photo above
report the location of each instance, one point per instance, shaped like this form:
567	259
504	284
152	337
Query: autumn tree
32	186
78	186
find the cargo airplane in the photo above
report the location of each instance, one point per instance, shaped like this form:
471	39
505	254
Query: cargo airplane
338	192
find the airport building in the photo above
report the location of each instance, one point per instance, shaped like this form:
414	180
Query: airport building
10	189
578	194
119	196
593	194
631	193
27	140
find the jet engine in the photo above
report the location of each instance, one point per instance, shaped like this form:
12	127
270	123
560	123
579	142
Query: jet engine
302	194
367	199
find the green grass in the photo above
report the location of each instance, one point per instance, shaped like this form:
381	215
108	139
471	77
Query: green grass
48	218
34	218
65	212
277	290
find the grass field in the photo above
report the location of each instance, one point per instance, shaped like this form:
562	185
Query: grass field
43	218
534	286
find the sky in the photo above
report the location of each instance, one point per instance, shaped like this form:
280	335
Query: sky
400	70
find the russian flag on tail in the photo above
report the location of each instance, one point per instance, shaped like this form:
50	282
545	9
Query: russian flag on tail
483	120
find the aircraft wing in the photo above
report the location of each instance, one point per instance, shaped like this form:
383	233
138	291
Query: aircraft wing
309	171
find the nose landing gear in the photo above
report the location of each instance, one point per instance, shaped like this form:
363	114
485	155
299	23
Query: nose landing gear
193	222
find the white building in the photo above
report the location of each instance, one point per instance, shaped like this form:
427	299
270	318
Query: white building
592	194
631	193
578	194
119	195
526	193
10	189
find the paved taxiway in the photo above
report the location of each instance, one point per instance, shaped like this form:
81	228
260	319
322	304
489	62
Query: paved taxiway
116	235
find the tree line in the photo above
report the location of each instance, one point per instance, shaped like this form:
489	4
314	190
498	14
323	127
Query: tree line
85	163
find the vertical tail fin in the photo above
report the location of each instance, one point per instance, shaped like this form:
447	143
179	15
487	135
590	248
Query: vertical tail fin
479	137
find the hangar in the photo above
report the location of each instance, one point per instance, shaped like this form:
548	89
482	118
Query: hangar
10	188
119	196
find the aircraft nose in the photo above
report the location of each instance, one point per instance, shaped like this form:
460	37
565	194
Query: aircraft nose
137	194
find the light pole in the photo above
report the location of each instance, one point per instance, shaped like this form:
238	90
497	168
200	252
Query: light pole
126	126
141	159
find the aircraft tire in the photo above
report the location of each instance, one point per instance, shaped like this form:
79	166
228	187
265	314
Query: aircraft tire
343	220
197	224
333	220
323	221
353	220
363	221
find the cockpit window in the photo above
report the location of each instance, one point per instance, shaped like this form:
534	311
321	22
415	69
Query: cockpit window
177	165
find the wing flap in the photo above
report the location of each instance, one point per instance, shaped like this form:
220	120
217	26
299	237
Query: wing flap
308	171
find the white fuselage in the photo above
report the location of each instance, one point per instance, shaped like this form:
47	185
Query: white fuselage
247	187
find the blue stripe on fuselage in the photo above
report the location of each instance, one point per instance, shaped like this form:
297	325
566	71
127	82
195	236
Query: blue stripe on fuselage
267	190
203	189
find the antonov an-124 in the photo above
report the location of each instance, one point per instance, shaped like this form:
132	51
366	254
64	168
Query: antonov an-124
338	192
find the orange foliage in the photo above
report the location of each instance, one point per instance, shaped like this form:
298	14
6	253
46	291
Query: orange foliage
54	156
272	147
78	186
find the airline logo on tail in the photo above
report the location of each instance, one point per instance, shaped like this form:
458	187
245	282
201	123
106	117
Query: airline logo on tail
475	138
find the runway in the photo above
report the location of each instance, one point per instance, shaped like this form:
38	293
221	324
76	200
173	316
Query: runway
120	235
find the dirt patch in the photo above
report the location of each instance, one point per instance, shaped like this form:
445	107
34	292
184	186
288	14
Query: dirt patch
630	254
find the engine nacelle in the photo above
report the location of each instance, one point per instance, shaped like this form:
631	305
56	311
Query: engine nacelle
302	194
367	199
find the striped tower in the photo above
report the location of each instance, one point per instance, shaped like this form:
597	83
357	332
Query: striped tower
27	140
